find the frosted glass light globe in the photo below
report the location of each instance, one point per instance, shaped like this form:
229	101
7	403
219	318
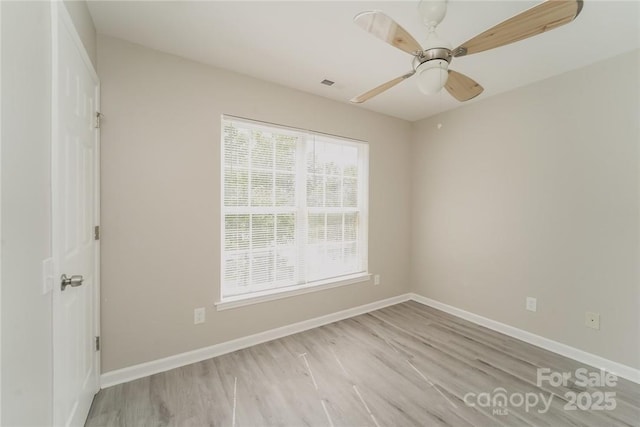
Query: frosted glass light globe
432	76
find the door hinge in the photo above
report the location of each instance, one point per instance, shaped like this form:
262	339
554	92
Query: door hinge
99	116
96	232
97	343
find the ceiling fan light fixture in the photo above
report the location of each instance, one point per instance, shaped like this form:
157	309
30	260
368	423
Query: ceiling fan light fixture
431	61
432	76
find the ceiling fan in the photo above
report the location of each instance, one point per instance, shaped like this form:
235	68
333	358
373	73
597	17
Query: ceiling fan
431	64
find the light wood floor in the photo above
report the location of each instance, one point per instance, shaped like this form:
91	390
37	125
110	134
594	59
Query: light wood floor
405	365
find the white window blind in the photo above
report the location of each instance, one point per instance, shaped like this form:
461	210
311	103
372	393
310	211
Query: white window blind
294	208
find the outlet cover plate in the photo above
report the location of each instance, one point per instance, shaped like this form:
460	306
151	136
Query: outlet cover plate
376	279
199	315
532	304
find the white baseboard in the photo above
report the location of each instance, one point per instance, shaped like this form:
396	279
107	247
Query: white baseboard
131	373
616	368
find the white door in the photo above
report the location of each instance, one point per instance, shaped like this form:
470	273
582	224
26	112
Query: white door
75	155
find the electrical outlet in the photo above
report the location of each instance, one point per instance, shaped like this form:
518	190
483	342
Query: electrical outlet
592	320
198	315
532	304
376	279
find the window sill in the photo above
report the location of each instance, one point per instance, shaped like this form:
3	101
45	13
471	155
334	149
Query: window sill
271	295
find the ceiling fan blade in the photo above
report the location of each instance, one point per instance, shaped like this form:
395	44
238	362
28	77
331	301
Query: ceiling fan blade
388	30
462	87
543	17
378	90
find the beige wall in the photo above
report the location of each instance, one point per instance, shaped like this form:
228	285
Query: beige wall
161	201
536	193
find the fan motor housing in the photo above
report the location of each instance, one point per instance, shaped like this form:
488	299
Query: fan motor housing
434	53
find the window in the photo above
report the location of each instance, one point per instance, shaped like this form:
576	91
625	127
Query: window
294	209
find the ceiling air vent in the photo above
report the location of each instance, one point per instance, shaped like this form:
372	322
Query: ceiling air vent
327	82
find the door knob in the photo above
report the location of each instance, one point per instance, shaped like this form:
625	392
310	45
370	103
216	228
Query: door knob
73	281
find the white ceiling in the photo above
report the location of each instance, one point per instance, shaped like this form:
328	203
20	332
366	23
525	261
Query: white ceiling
300	43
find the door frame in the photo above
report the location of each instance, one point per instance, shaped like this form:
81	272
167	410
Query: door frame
60	17
0	211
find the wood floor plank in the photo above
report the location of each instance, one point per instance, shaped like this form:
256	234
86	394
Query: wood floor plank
404	365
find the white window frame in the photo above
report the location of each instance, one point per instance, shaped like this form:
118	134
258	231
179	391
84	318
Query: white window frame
262	295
